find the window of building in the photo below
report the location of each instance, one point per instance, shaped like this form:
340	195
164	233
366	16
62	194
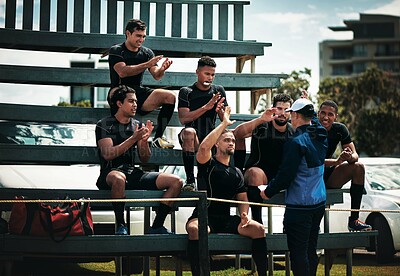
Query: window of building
341	70
360	50
359	67
386	50
342	53
388	65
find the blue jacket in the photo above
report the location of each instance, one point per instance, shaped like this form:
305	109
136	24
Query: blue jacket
302	169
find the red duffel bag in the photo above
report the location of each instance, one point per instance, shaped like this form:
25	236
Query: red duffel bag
56	220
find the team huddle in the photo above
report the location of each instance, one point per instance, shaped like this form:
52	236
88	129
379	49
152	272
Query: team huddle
292	149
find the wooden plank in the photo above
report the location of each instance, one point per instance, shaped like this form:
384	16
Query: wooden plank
95	16
160	19
192	21
78	15
100	78
11	9
112	16
27	17
223	22
79	115
145	13
176	29
61	15
44	24
100	43
207	21
238	22
128	12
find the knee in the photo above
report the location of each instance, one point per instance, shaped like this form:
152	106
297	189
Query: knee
193	232
116	180
359	169
170	97
188	134
254	177
176	184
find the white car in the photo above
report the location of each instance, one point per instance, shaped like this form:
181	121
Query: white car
382	186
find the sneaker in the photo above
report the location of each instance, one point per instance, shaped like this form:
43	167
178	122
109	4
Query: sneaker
162	143
358	225
160	230
121	230
189	186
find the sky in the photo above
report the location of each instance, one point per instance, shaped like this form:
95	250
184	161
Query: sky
294	27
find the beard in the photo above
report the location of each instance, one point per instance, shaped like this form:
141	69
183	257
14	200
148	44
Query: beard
229	152
281	123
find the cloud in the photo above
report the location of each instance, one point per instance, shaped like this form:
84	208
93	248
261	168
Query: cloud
392	8
293	22
312	7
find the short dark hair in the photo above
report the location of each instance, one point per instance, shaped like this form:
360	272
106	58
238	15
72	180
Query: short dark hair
331	104
281	97
206	61
116	94
135	24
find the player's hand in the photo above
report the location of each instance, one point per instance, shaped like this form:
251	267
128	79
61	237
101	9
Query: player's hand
269	114
346	154
149	126
263	195
166	64
153	62
211	103
244	220
220	105
139	133
304	94
227	115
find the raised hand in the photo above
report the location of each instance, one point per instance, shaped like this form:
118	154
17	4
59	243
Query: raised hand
227	115
139	133
269	114
220	105
215	98
149	126
166	64
153	62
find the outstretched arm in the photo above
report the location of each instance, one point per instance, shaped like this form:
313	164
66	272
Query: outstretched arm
204	151
158	72
244	130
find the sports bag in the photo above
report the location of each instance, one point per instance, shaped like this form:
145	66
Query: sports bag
56	220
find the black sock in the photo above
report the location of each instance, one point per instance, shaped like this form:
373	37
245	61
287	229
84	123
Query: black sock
162	213
259	254
239	157
356	193
193	256
188	162
119	208
253	194
163	118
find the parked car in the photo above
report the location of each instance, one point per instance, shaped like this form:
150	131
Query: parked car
382	187
62	176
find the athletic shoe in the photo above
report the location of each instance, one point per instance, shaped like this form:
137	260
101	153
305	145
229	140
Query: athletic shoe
163	143
189	186
121	230
160	231
358	225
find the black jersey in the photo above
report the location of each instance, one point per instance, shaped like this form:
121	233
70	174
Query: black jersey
337	133
119	53
266	150
193	98
110	127
223	182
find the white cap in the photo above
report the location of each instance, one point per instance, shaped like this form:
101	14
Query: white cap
303	106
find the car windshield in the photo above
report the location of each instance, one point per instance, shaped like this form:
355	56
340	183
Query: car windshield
384	177
23	133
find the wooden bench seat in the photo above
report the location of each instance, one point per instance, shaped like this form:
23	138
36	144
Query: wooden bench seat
100	78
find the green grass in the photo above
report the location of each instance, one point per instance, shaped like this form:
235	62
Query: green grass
363	265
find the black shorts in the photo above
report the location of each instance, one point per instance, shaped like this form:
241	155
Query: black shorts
142	93
136	179
221	224
327	173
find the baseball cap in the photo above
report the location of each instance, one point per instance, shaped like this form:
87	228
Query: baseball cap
302	106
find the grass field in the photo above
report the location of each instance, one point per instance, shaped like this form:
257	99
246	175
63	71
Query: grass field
363	265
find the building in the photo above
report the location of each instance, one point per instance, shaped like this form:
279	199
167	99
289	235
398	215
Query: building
376	40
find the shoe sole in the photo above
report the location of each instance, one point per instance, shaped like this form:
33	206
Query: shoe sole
361	230
188	189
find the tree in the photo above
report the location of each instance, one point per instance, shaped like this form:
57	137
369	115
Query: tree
293	85
84	103
369	106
